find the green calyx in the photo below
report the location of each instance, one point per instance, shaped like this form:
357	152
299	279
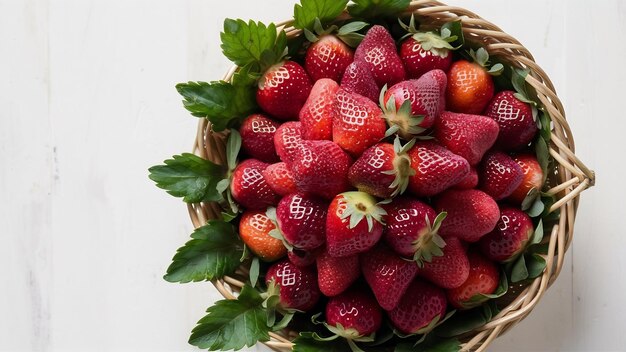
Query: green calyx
429	243
271	304
276	233
359	206
350	334
481	57
401	121
438	44
348	33
401	166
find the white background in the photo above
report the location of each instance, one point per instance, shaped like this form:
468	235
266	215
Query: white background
87	104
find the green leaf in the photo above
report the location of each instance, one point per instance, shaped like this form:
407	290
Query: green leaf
244	43
543	155
232	148
307	342
377	8
538	234
307	11
254	271
530	198
456	31
232	324
190	177
546	128
450	345
213	252
536	208
535	265
518	79
519	271
220	102
465	321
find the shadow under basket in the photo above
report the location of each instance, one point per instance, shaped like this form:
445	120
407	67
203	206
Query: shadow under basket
570	178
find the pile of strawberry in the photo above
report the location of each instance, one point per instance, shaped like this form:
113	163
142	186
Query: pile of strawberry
379	179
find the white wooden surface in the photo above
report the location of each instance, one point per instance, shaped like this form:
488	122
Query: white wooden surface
87	104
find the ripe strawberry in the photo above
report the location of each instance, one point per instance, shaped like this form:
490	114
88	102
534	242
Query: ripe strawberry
336	274
316	115
248	186
436	169
510	236
483	279
387	274
358	79
297	286
515	118
469	136
470	86
357	123
533	177
451	268
421	304
412	106
499	175
424	51
257	138
254	229
328	57
287	140
378	52
353	314
302	220
279	178
283	89
321	167
303	258
468	182
471	214
353	224
383	170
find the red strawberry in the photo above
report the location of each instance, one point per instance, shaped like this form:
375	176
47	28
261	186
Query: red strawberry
353	314
248	186
471	214
357	123
353	224
297	286
533	177
483	279
280	179
383	170
283	89
328	57
302	220
302	258
254	229
412	106
358	79
316	115
287	140
321	167
422	305
378	52
470	181
469	136
510	236
424	51
515	118
499	175
387	274
257	138
336	274
436	169
450	269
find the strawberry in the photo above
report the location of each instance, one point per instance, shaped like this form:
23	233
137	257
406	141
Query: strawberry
383	170
302	258
533	177
328	57
321	167
297	286
353	314
515	118
483	279
422	306
436	169
336	274
510	236
378	52
451	268
499	175
302	220
283	89
353	224
470	86
248	186
316	115
358	79
254	229
287	140
469	136
471	214
424	51
412	106
469	181
387	274
279	178
257	137
357	123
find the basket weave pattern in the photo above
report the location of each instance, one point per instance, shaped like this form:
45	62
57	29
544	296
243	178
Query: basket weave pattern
570	179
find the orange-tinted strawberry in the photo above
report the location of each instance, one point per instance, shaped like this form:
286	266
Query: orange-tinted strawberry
328	57
420	305
515	118
283	89
499	175
471	214
468	182
533	177
336	274
257	138
483	278
279	178
510	236
450	269
378	51
248	186
297	286
316	115
302	220
287	140
353	314
469	136
321	168
254	229
436	169
358	79
357	123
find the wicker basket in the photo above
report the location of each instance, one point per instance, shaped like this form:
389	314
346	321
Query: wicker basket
570	179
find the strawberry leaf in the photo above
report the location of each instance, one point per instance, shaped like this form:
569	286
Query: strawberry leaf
213	252
519	271
452	32
377	8
246	43
310	342
254	271
543	155
538	234
535	265
233	324
307	11
434	345
190	177
466	321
